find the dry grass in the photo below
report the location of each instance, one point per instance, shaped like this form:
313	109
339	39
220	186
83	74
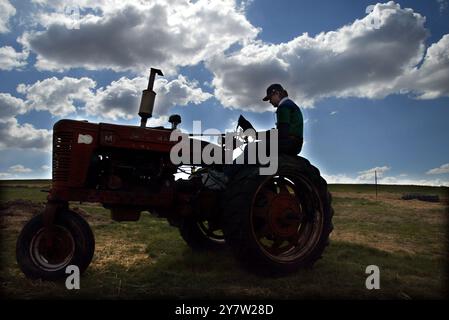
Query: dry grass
395	200
387	243
121	252
391	224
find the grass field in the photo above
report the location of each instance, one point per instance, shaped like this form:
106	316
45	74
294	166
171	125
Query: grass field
148	259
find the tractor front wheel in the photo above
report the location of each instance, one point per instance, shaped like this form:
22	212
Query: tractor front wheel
45	253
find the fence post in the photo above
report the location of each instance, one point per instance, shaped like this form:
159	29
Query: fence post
375	181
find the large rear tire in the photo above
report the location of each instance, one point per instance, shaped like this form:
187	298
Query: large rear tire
278	224
43	255
200	236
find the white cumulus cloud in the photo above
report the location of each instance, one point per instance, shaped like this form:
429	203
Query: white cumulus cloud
23	136
11	106
431	80
136	35
370	173
57	96
358	60
391	180
11	59
367	177
444	168
19	136
5	175
178	92
18	168
7	10
121	98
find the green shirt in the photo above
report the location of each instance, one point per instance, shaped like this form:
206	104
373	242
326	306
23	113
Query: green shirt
289	112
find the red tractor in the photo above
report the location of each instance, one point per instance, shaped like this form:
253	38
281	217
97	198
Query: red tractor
274	224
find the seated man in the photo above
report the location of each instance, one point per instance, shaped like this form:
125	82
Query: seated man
289	120
289	125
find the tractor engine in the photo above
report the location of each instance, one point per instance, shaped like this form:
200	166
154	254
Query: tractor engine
130	170
126	168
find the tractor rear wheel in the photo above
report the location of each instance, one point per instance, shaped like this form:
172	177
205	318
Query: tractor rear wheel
277	224
45	254
200	236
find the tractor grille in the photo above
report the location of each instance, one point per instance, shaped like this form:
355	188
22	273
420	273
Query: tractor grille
62	151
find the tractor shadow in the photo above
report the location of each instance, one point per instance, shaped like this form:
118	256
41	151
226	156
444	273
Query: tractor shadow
340	274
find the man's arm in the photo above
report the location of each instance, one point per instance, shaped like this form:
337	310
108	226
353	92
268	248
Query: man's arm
283	122
283	129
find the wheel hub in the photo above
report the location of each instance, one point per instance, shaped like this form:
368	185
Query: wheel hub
51	249
284	216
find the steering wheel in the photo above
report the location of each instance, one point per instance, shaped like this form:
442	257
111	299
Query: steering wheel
242	126
239	136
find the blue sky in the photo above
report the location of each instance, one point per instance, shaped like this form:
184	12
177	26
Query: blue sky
373	84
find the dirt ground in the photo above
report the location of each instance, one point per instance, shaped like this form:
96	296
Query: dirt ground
14	214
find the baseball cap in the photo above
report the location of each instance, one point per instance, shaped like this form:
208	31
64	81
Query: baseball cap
272	89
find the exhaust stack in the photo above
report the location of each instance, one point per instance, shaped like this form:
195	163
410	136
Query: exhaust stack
148	97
